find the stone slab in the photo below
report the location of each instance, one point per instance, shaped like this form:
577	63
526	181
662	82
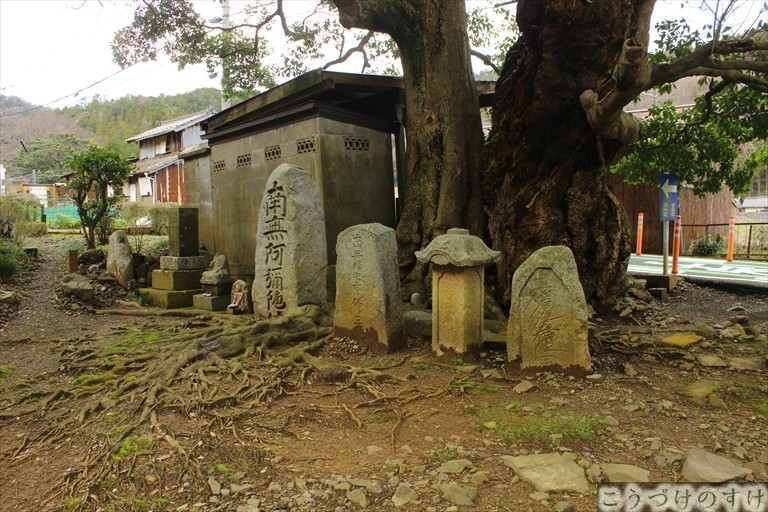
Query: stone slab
702	466
183	263
549	472
681	339
210	302
168	299
625	473
183	238
218	289
176	279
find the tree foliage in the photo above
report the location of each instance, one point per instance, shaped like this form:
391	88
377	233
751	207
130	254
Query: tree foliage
706	143
96	170
47	156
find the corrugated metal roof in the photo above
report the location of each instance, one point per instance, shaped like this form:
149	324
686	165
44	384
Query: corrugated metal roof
174	125
154	164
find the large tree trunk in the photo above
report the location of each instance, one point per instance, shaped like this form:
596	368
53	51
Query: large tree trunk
545	163
443	129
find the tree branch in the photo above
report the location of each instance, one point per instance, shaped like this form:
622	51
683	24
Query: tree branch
486	60
359	48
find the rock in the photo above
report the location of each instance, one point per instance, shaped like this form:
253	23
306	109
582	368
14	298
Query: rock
610	421
416	299
758	469
549	472
699	390
681	339
358	497
373	449
214	485
458	494
564	506
479	478
454	466
707	332
119	258
710	361
524	386
8	297
91	257
733	332
404	494
595	377
418	323
539	496
702	466
78	286
625	473
742	363
593	472
763	457
715	401
629	370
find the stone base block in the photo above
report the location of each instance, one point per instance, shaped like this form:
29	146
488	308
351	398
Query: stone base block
667	281
233	311
659	293
211	302
224	288
183	262
168	299
176	279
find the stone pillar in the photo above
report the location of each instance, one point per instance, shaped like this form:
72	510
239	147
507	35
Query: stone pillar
183	238
72	261
458	260
369	305
291	255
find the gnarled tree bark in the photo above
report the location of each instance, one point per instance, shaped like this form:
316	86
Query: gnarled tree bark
443	130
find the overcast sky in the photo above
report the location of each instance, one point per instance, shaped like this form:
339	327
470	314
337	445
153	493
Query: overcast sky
51	49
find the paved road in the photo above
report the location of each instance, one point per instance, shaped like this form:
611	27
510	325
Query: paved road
751	273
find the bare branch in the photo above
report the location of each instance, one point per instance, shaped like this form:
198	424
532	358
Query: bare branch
360	48
486	60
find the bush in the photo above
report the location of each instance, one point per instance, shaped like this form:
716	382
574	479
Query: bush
706	246
33	228
64	222
158	214
14	211
12	256
131	211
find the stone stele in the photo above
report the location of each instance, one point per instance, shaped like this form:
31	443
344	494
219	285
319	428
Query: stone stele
291	255
548	317
119	258
369	305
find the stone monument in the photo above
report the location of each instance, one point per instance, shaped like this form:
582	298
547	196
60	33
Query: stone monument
548	318
369	305
291	256
119	258
177	280
458	260
217	284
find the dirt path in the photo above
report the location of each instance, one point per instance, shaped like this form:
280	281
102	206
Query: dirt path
96	414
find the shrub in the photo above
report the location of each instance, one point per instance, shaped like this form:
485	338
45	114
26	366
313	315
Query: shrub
33	228
12	256
64	222
706	246
131	211
158	214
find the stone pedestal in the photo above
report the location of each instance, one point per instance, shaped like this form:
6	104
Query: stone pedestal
176	282
211	302
176	279
458	260
223	288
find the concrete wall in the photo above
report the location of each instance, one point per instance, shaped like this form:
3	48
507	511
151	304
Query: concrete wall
197	182
351	164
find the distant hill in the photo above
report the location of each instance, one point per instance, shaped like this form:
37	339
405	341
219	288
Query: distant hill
102	121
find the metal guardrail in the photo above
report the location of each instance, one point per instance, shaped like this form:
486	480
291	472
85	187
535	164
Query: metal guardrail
751	239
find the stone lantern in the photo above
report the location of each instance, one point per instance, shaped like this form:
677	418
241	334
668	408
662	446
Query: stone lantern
458	268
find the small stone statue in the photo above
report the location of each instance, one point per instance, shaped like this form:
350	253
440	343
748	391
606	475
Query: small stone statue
218	270
241	295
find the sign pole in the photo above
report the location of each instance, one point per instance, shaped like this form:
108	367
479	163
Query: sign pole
665	246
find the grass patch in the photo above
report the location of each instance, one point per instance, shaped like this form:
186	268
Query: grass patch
442	455
535	426
382	417
421	367
6	371
761	408
73	503
130	446
219	468
475	388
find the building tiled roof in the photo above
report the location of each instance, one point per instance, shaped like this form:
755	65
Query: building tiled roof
154	164
755	202
174	125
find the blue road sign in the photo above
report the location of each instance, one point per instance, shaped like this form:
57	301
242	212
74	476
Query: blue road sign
668	197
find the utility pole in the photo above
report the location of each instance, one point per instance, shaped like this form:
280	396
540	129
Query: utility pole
226	24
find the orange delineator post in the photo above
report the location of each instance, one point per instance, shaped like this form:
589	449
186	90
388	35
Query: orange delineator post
639	234
676	244
731	237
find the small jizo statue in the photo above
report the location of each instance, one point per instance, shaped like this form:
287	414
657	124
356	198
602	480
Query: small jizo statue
241	297
218	270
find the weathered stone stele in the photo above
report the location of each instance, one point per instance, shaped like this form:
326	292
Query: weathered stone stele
182	231
119	258
291	256
548	317
368	302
